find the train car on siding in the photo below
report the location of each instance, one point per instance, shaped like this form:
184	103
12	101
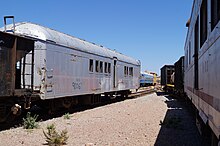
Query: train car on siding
147	79
48	66
202	57
179	76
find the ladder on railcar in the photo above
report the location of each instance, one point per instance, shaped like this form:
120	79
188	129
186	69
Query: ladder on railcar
27	71
24	62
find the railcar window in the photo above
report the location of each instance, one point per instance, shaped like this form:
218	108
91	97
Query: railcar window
91	65
215	13
109	67
125	70
97	66
189	52
203	22
196	35
106	67
101	67
131	71
187	58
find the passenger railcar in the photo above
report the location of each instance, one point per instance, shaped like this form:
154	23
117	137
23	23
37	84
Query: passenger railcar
41	64
146	79
202	57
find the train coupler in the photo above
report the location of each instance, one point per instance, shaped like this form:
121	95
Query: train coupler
16	109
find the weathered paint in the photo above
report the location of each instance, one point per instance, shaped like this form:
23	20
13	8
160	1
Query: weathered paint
61	64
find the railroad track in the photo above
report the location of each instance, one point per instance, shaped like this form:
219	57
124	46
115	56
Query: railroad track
142	91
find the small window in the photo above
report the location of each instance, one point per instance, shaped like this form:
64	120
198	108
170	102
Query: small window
109	67
97	66
215	13
101	67
190	52
125	72
196	37
106	67
18	65
187	57
203	22
131	71
91	65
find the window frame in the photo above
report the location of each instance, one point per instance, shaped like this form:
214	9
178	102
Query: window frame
91	65
215	13
125	71
101	66
131	71
109	68
203	22
106	67
97	66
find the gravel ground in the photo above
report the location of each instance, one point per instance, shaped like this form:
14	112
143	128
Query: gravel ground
149	120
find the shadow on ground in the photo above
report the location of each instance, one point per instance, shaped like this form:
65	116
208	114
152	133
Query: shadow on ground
178	127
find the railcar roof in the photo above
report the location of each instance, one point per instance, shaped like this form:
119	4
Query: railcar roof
50	35
146	74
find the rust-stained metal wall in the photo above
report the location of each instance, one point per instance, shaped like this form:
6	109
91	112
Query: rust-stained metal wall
6	72
12	49
166	72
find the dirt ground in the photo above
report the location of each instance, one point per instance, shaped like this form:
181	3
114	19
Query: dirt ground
154	119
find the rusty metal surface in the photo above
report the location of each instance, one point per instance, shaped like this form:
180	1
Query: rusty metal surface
6	65
12	49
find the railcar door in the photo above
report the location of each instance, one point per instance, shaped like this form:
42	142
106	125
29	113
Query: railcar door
6	47
13	64
115	72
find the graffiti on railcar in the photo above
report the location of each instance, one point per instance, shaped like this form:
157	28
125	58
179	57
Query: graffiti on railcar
77	84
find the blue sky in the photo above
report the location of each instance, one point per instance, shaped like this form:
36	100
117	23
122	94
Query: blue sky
151	31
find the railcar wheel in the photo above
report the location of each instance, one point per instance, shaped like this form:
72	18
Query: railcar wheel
6	113
67	102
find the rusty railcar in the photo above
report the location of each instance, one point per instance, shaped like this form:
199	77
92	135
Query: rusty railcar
14	89
179	76
166	72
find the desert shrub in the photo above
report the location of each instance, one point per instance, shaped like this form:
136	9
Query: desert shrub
30	122
66	116
53	138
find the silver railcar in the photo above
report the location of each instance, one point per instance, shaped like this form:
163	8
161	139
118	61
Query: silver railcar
202	57
59	66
